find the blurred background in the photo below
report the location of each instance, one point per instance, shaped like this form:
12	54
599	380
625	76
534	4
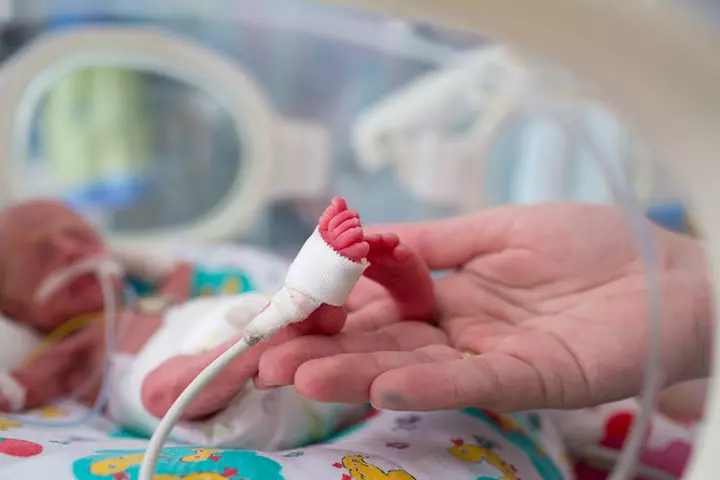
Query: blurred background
404	120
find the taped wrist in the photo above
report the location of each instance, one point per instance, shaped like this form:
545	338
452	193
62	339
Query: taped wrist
323	274
318	275
286	306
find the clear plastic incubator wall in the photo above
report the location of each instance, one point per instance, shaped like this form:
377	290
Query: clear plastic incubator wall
214	134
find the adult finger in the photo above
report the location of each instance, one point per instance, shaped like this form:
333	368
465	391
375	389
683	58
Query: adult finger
492	380
279	364
449	243
327	379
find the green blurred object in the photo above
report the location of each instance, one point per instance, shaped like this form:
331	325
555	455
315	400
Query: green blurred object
95	135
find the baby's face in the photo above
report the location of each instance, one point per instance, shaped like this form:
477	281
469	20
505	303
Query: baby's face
47	238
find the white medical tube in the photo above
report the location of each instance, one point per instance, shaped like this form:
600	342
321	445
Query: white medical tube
653	381
105	270
161	434
280	313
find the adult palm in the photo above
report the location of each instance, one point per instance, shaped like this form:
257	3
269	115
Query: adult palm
543	307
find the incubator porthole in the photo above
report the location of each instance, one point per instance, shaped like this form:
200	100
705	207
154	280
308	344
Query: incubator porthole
218	120
127	146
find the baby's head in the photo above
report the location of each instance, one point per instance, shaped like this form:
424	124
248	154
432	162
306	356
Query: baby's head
38	239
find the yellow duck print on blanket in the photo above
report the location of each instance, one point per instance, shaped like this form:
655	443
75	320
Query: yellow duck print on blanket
360	469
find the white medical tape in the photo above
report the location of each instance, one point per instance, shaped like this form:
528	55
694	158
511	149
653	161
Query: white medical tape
286	306
322	274
13	392
61	278
318	275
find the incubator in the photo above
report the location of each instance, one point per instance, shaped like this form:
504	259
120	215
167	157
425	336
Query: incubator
216	132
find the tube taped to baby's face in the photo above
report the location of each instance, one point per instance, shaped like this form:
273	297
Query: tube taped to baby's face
101	265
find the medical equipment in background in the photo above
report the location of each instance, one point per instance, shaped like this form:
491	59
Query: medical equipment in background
94	136
94	132
317	67
267	169
491	127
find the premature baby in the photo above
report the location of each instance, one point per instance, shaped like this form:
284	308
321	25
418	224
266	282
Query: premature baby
41	242
160	353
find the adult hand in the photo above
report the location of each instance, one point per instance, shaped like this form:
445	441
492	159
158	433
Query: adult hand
551	301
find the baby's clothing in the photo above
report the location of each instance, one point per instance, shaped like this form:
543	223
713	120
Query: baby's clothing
256	419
